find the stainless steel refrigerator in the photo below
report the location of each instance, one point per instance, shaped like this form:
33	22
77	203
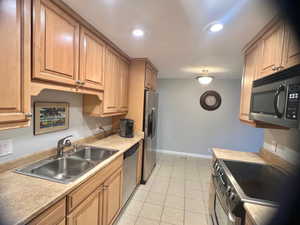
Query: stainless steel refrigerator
150	130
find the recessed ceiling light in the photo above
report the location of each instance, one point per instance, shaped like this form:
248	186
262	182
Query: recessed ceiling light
216	27
138	33
205	79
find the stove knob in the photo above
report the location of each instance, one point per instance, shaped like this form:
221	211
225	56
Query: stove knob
232	196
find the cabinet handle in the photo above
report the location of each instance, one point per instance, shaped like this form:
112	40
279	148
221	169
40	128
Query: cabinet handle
280	67
82	83
28	115
78	82
274	68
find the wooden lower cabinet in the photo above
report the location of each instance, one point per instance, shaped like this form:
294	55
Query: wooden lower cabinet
89	211
102	206
55	215
112	197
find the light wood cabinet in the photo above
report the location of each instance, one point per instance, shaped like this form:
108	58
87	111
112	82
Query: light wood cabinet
112	79
55	215
250	73
92	60
15	30
123	93
55	44
291	54
115	100
112	197
272	49
89	211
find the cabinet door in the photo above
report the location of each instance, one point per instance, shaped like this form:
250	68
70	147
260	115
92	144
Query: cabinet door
92	52
55	215
56	44
112	197
15	30
250	73
87	212
111	82
123	99
291	55
272	50
148	77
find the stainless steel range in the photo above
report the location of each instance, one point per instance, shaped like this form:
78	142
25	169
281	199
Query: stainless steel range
236	182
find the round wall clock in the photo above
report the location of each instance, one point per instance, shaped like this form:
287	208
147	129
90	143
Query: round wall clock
210	100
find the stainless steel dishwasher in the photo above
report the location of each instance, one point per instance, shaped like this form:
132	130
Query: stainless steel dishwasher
129	171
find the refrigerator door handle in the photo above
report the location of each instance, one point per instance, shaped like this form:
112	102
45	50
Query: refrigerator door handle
149	130
153	132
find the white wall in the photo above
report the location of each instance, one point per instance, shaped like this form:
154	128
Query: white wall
185	127
25	143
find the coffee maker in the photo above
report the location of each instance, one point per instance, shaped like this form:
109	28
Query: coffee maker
126	128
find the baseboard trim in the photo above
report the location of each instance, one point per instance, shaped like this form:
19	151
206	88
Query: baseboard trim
184	154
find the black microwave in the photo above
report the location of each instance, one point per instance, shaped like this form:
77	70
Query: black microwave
276	99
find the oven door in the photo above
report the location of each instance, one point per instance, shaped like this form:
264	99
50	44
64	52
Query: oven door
221	215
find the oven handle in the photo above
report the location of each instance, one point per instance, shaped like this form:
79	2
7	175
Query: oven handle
278	91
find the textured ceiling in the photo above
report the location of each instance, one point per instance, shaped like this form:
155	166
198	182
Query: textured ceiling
176	39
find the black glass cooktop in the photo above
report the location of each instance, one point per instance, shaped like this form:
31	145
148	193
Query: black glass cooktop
257	181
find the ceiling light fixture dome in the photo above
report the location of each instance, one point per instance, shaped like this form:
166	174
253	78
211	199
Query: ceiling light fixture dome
216	27
138	33
205	79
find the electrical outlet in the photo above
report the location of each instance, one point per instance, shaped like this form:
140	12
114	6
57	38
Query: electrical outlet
6	147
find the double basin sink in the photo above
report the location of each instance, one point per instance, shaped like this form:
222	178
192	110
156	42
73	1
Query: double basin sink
69	167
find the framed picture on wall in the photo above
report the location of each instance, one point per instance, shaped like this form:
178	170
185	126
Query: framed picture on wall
50	117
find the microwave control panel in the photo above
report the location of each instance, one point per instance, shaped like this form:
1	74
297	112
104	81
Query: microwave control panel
293	102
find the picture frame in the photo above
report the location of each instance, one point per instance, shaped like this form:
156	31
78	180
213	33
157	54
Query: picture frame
50	117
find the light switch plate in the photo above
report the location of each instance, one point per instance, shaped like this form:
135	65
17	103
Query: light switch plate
6	147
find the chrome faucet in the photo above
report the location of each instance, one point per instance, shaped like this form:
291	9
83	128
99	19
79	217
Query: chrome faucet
64	142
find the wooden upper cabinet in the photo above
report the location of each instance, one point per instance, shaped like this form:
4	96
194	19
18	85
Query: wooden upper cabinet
272	50
56	44
291	54
92	55
124	76
250	73
88	212
112	197
111	86
15	31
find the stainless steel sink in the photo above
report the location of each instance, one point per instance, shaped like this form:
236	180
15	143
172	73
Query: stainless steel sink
93	154
68	168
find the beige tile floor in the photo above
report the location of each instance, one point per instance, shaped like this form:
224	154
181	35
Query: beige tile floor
176	194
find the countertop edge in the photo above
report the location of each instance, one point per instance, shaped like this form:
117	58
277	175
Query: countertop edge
81	180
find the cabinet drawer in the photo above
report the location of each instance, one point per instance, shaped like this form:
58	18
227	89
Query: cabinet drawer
82	192
52	216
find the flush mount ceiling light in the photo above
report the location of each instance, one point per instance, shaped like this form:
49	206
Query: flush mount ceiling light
205	79
216	27
138	33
